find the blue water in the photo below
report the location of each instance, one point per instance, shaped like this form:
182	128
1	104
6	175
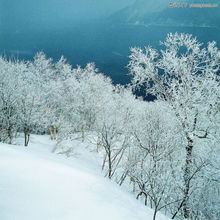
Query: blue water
105	43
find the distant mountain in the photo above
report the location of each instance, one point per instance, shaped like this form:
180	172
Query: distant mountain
22	15
159	12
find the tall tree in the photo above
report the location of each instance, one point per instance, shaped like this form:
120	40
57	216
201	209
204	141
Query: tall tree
186	75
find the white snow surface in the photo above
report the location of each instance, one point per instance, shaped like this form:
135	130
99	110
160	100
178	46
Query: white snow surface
36	184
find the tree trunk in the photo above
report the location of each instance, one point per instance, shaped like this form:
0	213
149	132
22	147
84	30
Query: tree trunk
109	164
54	133
123	177
83	134
180	206
187	176
104	161
51	132
26	137
155	213
10	136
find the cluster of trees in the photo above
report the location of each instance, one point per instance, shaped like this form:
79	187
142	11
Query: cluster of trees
185	75
167	151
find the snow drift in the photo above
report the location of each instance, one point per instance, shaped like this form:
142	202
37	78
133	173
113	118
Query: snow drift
38	185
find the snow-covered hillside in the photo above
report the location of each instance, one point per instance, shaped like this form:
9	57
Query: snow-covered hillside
38	185
168	13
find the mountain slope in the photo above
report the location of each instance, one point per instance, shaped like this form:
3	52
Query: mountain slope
158	12
38	185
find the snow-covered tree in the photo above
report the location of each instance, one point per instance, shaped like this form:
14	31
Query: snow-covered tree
113	128
43	69
185	75
85	94
153	163
8	98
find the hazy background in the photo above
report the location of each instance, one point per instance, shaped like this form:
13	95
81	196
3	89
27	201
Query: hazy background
100	31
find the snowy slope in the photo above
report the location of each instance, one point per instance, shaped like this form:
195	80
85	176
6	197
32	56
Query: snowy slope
158	12
38	185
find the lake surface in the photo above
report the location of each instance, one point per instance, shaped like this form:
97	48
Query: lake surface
105	43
